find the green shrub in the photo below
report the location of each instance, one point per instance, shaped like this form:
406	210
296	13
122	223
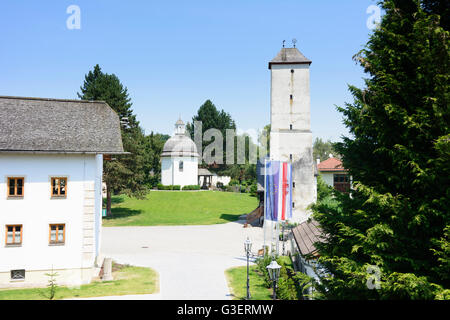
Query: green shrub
253	190
176	187
191	187
160	186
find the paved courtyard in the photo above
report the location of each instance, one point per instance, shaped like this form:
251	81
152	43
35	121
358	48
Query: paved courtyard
191	260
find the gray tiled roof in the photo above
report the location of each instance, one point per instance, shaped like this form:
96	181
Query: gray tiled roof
289	56
305	235
58	126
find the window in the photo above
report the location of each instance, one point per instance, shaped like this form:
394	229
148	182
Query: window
18	274
341	182
290	127
293	184
291	97
293	204
59	187
290	157
57	234
292	70
180	166
15	187
14	235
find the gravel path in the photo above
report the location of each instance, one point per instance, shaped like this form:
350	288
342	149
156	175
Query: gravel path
191	260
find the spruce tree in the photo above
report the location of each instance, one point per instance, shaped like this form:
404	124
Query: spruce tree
125	173
397	218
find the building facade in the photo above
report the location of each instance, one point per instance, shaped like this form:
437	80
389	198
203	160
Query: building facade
179	159
51	164
334	174
290	136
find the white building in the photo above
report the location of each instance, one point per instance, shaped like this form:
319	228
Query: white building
179	159
290	136
334	174
51	162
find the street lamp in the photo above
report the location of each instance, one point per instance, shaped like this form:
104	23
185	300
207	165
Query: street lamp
274	273
248	248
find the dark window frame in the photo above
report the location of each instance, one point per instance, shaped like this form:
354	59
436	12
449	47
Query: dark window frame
58	194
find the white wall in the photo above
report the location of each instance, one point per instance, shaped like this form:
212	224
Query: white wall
223	179
297	141
37	210
285	111
171	175
328	178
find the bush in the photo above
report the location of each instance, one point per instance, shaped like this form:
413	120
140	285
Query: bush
191	187
253	190
323	190
176	187
291	285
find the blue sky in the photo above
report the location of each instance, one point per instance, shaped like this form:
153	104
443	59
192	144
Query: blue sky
173	55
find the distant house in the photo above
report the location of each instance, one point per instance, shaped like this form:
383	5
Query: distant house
334	174
51	163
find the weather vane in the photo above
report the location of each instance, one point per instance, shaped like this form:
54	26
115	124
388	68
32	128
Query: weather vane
294	41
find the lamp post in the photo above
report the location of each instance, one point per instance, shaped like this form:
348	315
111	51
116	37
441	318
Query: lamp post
274	273
248	248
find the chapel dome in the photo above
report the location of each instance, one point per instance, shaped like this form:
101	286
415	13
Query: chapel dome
180	145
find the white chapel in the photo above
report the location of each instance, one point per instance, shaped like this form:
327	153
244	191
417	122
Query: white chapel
179	159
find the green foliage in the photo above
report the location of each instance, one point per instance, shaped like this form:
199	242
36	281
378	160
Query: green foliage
291	285
397	218
52	286
191	187
126	174
212	118
322	149
323	190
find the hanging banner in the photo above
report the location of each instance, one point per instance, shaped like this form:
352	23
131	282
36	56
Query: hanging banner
278	200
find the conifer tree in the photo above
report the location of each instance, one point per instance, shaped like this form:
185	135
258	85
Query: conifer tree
398	217
126	173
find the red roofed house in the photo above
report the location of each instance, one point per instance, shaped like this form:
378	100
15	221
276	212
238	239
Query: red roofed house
334	174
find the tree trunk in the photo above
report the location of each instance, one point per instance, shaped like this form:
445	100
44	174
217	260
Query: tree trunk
108	200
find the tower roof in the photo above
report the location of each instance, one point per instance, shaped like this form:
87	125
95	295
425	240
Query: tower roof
289	56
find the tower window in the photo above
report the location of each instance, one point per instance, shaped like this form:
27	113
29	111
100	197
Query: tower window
290	127
290	156
292	70
293	184
293	204
180	166
291	97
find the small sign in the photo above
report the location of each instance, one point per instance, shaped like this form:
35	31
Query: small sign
103	212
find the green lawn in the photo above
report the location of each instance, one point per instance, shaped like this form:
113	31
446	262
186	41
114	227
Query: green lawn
180	208
127	280
237	281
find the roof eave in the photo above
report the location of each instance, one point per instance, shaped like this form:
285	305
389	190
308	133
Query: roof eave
308	62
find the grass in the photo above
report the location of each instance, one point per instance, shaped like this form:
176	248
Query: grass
180	208
127	280
237	281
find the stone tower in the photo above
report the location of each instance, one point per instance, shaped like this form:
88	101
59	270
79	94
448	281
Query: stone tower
290	136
